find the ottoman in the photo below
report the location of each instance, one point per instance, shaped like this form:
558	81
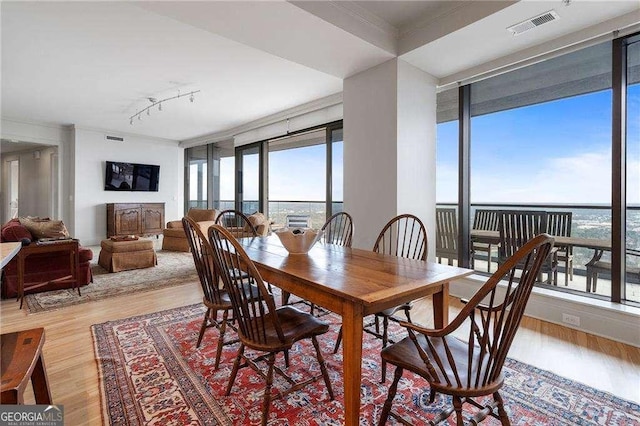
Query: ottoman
116	256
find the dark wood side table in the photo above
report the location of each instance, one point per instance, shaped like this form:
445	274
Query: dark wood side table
22	360
72	247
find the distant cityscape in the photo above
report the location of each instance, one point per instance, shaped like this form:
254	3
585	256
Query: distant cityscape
586	223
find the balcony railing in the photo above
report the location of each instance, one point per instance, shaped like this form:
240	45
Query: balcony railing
588	221
279	209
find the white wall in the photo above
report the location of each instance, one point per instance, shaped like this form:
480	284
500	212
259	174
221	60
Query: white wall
416	145
35	180
389	150
370	161
35	192
89	196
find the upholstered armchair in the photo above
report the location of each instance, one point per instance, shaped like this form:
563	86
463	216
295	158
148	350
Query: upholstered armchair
175	239
41	268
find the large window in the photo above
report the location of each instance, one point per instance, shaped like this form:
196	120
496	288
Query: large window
297	176
299	173
542	138
633	170
196	185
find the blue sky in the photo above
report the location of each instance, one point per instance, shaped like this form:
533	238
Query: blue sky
294	175
554	152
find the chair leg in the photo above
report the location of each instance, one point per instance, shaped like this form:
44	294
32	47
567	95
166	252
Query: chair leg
504	418
566	272
323	367
223	329
386	409
338	340
385	341
266	402
489	259
234	371
203	327
457	406
595	281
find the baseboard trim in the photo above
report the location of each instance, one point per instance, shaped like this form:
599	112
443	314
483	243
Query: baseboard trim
601	318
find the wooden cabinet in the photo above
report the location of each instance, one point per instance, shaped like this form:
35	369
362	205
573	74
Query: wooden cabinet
139	219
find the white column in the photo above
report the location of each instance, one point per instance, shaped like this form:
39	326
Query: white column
389	149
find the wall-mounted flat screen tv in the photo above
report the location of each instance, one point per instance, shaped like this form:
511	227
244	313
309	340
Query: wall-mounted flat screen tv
131	177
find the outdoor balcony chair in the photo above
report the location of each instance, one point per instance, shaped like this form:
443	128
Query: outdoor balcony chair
446	234
466	370
603	266
261	326
403	236
484	220
559	225
298	221
516	227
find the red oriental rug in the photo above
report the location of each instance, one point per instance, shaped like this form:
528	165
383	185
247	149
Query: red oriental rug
151	373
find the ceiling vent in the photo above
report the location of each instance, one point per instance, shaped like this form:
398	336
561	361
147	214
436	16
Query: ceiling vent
531	23
114	138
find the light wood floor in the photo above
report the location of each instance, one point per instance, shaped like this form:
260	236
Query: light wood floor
73	377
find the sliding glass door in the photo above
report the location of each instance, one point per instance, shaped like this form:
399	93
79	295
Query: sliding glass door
250	178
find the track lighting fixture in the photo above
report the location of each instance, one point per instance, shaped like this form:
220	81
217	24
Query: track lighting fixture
157	102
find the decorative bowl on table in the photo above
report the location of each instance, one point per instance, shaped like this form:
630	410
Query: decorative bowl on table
298	240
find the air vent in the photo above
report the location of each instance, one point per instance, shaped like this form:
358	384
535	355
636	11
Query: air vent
114	138
531	23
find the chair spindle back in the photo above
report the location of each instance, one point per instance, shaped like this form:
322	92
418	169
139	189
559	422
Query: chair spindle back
494	313
237	223
338	230
253	305
403	236
203	260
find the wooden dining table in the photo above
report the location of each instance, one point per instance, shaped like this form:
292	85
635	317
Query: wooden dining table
353	283
8	252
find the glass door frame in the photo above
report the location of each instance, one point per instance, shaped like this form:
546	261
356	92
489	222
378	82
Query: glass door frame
263	174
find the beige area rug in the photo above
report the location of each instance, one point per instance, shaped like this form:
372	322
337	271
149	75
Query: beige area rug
174	268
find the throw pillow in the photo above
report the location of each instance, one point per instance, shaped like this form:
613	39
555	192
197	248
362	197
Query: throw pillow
256	220
45	228
16	232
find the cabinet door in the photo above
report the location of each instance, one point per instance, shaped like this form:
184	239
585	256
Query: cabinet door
153	218
128	221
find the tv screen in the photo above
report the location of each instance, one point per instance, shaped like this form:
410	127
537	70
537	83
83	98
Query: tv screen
131	177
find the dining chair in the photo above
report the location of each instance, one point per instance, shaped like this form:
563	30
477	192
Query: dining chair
516	227
237	223
559	225
446	234
338	230
215	299
403	236
262	327
603	266
469	369
484	220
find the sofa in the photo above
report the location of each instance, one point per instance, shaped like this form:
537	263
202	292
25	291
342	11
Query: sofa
40	267
173	236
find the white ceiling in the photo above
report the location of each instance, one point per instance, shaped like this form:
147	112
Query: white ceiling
94	64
